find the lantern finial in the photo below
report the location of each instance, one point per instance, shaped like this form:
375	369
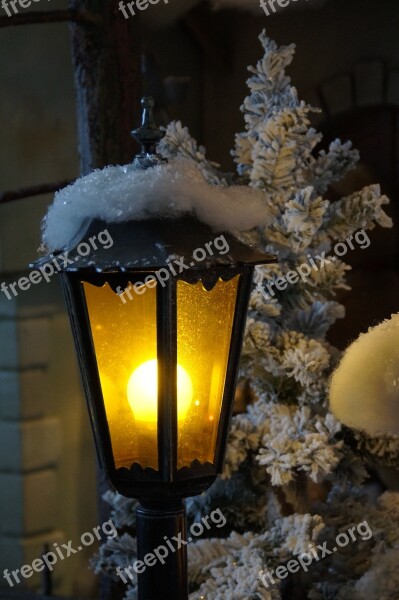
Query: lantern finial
148	135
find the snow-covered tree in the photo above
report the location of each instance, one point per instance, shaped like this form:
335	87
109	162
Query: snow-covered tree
287	438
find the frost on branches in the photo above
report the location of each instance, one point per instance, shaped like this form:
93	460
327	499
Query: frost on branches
287	438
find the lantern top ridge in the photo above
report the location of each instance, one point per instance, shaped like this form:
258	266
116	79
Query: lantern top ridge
150	244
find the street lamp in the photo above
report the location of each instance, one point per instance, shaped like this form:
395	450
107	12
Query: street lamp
158	337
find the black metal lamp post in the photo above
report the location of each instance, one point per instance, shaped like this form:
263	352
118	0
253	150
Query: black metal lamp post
158	348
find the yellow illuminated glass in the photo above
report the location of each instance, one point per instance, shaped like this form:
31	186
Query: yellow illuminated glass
204	329
125	342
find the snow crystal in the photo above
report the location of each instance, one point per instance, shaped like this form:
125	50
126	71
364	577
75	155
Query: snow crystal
364	390
122	193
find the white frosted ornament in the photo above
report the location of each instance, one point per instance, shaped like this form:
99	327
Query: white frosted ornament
364	391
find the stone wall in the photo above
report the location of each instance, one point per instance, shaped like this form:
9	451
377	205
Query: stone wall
47	464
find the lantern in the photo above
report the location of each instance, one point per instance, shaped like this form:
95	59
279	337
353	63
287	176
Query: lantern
159	351
158	322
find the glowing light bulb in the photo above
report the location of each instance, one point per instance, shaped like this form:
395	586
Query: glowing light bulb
142	392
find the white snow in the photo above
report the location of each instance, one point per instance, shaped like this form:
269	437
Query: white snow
123	193
364	391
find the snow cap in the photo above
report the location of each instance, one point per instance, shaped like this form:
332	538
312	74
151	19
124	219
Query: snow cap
364	391
167	190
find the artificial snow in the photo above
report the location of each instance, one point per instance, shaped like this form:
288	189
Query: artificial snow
122	193
364	391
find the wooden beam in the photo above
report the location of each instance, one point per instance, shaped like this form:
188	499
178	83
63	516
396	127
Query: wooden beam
51	16
107	62
107	82
35	190
211	34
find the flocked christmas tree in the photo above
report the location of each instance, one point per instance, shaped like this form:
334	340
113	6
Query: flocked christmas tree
286	438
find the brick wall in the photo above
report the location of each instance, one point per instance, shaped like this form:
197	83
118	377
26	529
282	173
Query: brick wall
30	440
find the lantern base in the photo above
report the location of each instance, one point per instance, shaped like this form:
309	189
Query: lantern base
161	548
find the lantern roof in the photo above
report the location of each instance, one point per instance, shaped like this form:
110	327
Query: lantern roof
151	244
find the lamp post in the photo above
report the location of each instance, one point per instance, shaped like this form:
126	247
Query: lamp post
158	349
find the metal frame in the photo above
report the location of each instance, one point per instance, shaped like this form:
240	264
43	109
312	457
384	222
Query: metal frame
168	481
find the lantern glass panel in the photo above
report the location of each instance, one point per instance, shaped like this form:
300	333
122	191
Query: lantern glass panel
204	329
125	343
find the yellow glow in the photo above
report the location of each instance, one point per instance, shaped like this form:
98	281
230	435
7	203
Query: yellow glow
142	392
204	325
